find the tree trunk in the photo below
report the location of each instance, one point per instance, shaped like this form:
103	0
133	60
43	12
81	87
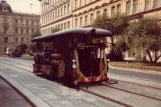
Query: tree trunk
156	58
150	57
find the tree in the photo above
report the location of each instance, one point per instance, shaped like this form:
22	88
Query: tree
38	46
21	48
55	30
117	25
144	36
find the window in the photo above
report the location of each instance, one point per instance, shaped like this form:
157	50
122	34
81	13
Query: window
16	21
135	6
128	7
5	39
22	39
16	39
21	19
27	31
68	9
85	2
58	13
64	10
53	16
76	22
64	25
147	4
119	8
81	21
91	19
21	30
61	11
61	26
5	30
32	22
16	30
37	21
27	22
50	16
105	11
86	20
37	30
80	2
157	3
113	11
32	31
76	4
69	25
98	13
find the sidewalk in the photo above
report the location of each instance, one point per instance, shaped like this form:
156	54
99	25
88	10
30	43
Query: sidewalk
9	97
136	70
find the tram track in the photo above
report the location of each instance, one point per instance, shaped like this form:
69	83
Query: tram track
159	99
101	96
106	98
110	73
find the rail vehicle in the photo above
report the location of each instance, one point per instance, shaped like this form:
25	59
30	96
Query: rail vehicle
74	56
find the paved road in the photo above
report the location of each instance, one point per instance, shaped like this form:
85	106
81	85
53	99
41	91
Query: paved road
146	76
51	93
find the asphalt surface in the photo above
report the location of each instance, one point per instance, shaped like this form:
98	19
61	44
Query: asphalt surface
134	74
9	97
52	93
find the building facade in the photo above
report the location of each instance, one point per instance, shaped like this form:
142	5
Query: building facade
16	28
67	14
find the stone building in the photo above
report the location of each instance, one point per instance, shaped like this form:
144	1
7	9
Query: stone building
67	14
16	28
56	13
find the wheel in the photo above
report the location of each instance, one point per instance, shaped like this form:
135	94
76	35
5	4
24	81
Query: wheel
67	79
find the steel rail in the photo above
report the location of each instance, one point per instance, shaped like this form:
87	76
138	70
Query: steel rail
132	92
98	95
104	97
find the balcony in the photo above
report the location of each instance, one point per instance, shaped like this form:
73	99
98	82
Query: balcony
5	25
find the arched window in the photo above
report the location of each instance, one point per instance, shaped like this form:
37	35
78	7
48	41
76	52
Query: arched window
81	21
68	8
76	22
91	18
86	20
105	11
98	13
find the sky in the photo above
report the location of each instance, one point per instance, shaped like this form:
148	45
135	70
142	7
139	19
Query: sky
24	6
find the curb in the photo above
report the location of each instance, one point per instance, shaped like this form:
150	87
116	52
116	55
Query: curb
32	99
136	70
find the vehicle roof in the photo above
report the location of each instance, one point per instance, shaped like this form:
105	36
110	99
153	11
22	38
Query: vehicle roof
73	33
